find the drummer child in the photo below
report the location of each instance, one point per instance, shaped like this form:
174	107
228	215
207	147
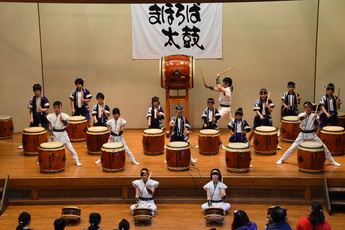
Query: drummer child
210	115
329	108
155	114
80	97
38	106
263	108
238	128
100	111
116	128
180	126
57	128
307	125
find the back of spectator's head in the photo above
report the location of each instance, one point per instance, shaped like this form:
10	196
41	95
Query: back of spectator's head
24	219
240	219
278	214
124	225
59	224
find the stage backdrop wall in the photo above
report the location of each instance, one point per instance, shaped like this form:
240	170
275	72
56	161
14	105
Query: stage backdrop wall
269	43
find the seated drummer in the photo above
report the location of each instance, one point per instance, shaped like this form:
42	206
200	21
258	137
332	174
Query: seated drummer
180	127
307	125
329	108
210	115
215	190
144	191
238	128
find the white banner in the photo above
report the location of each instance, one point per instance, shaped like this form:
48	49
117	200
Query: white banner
165	29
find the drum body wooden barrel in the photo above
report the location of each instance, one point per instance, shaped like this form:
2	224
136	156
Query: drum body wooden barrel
95	138
32	137
6	127
290	128
214	215
334	138
76	128
153	141
341	119
113	157
209	141
178	156
265	140
52	157
311	157
237	157
177	71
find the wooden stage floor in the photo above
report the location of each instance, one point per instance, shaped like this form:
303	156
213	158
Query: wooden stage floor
14	163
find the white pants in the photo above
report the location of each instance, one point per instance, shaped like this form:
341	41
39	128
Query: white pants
305	136
225	112
63	138
222	205
120	139
145	204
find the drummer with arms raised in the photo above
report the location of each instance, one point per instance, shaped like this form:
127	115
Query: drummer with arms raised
144	191
308	122
215	190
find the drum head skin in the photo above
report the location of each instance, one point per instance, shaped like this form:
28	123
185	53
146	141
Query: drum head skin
178	145
77	118
311	145
97	129
112	145
34	129
153	131
51	145
265	129
290	118
209	131
333	129
5	117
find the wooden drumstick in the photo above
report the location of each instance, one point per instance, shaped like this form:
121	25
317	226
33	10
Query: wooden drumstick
104	101
339	93
227	70
203	79
317	106
268	96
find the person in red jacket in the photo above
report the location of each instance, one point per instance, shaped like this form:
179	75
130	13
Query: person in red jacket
315	221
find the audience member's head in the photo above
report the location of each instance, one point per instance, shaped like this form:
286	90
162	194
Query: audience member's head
316	214
240	219
59	224
278	214
124	225
95	220
24	220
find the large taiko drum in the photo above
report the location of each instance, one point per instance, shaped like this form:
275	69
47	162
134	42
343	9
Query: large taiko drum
341	119
265	140
51	157
95	138
153	141
32	138
6	127
178	156
311	157
71	213
290	128
209	141
238	157
214	215
177	71
334	138
76	128
113	157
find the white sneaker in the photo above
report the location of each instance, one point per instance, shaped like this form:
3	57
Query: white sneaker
196	147
165	161
334	163
97	162
20	147
279	162
153	214
278	134
78	163
278	147
135	162
223	147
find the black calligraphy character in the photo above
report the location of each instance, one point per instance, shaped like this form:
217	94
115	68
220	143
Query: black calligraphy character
195	13
170	34
190	35
180	8
156	13
170	12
